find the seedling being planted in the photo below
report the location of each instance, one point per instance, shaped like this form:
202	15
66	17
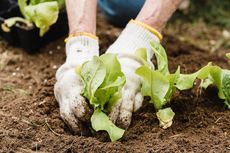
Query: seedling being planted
158	84
209	75
103	80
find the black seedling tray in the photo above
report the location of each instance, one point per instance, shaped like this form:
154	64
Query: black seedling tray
11	37
29	39
9	8
32	42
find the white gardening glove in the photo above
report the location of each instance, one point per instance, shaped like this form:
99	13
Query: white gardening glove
136	35
67	90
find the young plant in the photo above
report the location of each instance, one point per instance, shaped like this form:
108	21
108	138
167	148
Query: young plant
42	13
159	84
103	80
209	75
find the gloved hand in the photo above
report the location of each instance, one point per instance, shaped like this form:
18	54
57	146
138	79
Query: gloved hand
67	90
73	107
136	35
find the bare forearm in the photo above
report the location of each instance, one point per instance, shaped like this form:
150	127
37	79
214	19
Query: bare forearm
82	15
156	13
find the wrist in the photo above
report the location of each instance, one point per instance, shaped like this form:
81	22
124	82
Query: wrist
156	13
151	29
76	34
88	28
154	23
82	15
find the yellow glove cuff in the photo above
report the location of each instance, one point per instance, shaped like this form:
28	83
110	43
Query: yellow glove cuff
81	34
151	29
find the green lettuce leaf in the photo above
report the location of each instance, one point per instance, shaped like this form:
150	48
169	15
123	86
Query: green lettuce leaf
216	79
221	79
141	54
161	56
186	81
103	81
61	3
228	55
172	84
93	74
100	121
209	75
154	84
165	116
22	4
102	78
43	13
225	88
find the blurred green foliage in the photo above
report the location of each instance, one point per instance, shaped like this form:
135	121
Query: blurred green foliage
215	12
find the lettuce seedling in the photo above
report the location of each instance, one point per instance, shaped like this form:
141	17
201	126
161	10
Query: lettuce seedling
103	80
209	75
43	13
158	84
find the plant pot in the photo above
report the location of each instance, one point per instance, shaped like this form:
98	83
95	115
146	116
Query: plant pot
29	39
11	37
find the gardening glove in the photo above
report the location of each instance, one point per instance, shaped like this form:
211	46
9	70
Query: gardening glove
73	107
136	35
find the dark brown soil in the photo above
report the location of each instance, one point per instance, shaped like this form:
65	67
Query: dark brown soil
29	113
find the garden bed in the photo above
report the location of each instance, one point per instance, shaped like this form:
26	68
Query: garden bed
29	113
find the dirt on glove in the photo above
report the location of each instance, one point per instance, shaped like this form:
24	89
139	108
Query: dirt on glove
29	113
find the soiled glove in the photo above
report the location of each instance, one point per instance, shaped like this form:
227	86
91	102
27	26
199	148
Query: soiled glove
73	107
136	35
67	90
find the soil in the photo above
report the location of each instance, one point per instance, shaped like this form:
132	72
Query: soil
29	113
